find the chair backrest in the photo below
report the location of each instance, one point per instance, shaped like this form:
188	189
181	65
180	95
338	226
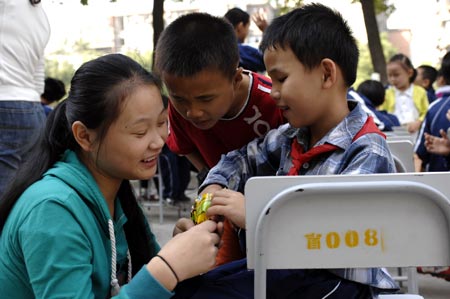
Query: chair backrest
347	221
401	133
403	153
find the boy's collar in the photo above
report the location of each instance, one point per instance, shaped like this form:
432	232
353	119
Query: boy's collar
303	134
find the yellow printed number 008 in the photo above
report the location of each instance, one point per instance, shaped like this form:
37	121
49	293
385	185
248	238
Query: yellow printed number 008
351	239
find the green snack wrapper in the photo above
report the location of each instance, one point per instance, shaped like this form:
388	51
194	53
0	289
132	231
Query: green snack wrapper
201	204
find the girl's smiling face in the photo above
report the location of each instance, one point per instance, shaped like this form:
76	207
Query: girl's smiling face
133	142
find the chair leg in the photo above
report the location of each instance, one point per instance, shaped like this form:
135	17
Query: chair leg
413	286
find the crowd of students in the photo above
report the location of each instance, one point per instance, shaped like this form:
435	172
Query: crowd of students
71	225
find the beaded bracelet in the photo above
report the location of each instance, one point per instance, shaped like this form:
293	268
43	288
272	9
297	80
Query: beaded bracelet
170	267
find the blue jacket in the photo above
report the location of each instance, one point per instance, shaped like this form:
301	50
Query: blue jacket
435	119
384	120
56	244
251	58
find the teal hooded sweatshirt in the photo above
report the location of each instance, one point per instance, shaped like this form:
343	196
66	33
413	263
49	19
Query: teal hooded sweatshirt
56	243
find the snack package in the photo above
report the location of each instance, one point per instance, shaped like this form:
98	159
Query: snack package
201	204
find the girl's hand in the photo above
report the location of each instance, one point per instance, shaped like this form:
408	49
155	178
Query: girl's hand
189	254
230	204
414	126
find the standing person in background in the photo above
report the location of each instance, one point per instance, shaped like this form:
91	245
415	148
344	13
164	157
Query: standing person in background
24	34
70	225
250	58
215	106
176	175
426	75
409	102
54	90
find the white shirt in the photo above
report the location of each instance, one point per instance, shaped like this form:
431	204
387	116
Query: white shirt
24	33
405	110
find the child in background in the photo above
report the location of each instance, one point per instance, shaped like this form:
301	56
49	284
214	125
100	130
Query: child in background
215	106
433	146
439	145
435	125
250	58
426	75
311	56
374	92
404	99
70	226
54	90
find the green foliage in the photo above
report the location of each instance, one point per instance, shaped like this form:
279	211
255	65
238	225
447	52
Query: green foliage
144	59
62	63
284	6
365	66
381	6
59	70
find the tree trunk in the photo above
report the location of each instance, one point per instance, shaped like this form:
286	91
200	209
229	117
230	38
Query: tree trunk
158	24
373	37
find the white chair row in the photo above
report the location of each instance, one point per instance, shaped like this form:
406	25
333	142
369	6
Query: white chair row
347	221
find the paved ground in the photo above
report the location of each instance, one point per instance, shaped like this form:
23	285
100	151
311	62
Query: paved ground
429	287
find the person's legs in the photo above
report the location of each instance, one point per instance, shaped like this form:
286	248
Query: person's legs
167	164
233	280
183	178
21	124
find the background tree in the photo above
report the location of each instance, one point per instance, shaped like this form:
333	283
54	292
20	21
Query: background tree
158	23
370	10
365	65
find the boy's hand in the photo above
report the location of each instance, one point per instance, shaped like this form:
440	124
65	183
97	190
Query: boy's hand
260	19
182	225
230	204
437	145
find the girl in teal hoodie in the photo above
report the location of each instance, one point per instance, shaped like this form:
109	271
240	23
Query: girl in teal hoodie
70	224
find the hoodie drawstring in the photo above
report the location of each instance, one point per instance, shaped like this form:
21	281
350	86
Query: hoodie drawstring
115	287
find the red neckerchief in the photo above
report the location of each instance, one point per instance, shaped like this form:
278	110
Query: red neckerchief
299	158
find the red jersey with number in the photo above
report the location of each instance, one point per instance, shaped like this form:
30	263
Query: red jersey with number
258	116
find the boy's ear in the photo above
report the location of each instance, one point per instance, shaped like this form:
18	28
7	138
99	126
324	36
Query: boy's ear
84	137
240	31
237	79
329	72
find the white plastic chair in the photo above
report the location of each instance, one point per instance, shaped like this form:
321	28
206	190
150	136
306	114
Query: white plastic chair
402	151
378	220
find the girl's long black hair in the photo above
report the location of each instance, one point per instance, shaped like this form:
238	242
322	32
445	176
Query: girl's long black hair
98	89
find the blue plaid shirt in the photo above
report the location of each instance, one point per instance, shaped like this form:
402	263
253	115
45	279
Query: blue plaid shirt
270	155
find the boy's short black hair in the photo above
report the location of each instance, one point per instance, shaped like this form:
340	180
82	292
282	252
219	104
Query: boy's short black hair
373	90
315	32
54	90
195	42
236	16
428	72
444	70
